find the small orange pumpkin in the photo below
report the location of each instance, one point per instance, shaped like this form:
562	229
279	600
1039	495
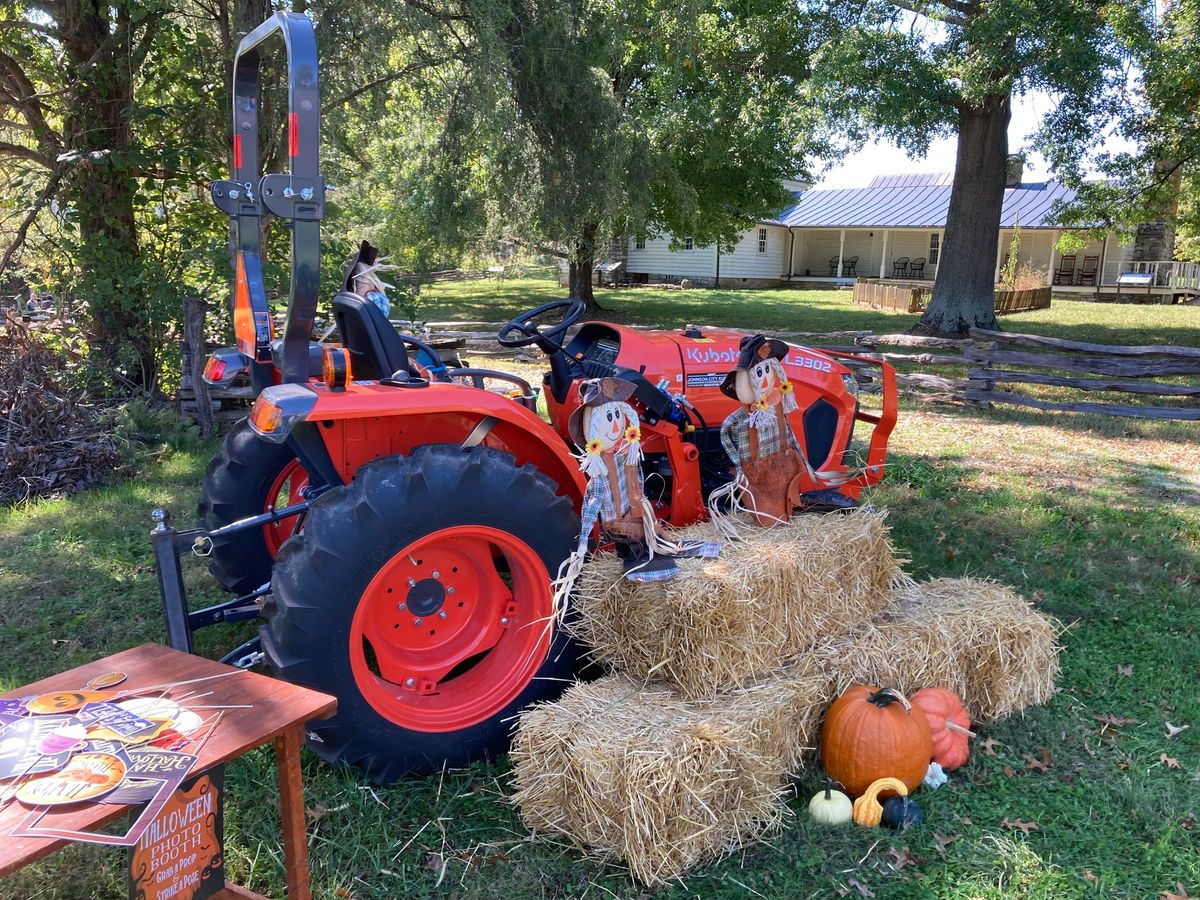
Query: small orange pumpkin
872	733
949	726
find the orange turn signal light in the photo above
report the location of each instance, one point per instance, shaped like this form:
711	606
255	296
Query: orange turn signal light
335	368
265	416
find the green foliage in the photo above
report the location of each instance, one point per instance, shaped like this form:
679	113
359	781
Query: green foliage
1159	177
568	124
1008	274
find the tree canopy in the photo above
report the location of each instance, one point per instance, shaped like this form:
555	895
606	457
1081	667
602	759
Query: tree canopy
911	71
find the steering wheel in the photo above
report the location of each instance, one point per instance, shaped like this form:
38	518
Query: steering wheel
547	337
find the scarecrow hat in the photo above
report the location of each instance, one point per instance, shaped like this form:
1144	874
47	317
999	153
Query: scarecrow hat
751	350
592	393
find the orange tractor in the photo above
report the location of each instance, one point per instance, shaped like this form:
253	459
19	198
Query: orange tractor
397	525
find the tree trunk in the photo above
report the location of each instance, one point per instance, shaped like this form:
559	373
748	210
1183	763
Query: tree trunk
965	291
100	189
580	265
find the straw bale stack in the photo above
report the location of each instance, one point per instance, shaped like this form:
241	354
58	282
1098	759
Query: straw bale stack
636	773
976	637
723	623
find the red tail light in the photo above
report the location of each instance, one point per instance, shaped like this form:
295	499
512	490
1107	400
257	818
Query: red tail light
214	369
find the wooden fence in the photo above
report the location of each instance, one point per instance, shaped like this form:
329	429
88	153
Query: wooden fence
894	295
1118	363
911	296
1022	301
992	358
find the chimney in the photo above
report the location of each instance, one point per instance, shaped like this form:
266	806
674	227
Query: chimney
1014	169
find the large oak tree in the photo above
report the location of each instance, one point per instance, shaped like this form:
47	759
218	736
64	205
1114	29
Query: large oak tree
910	71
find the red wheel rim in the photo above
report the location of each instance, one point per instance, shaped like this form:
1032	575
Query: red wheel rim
452	628
285	491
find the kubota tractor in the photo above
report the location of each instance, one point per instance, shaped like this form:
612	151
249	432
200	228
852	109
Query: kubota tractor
397	526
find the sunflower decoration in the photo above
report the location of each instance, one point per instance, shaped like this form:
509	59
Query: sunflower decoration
595	447
761	404
633	434
786	388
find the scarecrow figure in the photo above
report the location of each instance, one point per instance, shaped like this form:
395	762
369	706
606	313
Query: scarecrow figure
360	275
760	441
608	431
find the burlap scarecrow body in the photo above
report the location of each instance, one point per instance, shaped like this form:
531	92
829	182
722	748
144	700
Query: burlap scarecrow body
771	468
757	436
608	431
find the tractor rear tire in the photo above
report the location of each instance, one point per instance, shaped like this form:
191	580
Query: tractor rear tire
248	476
419	595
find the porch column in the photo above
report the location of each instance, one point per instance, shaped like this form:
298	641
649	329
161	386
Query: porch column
999	258
1054	236
1100	268
883	254
841	251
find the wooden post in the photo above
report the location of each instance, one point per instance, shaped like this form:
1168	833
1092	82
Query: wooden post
291	812
194	358
841	253
999	258
883	254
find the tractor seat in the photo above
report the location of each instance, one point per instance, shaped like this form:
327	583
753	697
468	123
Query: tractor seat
376	350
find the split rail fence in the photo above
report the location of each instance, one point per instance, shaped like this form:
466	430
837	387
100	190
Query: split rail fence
1039	372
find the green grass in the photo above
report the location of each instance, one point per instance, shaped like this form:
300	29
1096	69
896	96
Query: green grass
787	309
1097	520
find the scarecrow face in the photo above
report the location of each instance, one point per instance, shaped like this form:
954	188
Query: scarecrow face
606	423
762	378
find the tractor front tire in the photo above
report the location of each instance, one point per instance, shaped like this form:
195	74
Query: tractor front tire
419	595
246	478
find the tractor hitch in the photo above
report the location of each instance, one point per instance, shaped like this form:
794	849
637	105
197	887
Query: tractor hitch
169	544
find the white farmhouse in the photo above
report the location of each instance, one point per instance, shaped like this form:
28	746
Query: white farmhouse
895	227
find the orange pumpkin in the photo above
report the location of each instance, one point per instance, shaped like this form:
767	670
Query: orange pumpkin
949	726
870	734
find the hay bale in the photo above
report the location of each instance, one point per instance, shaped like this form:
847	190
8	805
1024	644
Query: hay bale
637	774
723	623
976	637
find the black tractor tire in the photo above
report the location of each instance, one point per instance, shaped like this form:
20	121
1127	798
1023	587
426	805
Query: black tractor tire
237	485
351	533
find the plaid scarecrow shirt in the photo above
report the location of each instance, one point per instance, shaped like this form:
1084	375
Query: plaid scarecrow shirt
735	435
599	500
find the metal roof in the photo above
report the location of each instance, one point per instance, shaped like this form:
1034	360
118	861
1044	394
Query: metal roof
887	204
922	179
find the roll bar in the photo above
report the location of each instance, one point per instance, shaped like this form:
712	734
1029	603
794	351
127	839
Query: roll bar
298	196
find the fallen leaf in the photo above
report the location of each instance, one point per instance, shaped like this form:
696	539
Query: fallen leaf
989	745
944	841
1025	827
1125	671
966	821
1034	764
901	858
1180	893
950	555
1090	876
1188	822
1169	762
343	893
1108	720
862	889
315	813
1009	771
1173	730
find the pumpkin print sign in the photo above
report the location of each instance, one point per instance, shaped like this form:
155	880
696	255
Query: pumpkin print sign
181	855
